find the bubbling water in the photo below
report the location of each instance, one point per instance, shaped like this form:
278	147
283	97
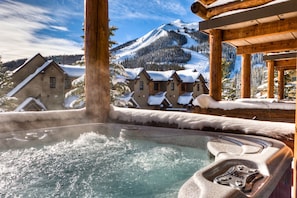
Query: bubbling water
96	165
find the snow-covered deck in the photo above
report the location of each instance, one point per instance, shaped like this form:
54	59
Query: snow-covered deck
258	109
12	121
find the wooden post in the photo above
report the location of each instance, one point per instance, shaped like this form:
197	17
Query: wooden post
281	84
215	64
246	76
295	151
97	59
270	88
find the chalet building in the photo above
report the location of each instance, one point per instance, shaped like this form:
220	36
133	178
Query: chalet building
40	84
193	84
138	82
165	89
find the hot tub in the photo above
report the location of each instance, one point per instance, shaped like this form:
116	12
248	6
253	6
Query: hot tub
192	163
244	166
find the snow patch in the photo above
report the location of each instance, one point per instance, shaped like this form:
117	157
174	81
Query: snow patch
206	101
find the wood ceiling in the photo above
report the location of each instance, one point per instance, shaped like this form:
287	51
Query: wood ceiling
271	26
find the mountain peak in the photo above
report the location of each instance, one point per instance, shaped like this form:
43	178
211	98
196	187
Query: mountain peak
171	45
179	25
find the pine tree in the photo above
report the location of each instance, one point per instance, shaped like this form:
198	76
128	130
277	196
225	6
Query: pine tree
6	103
228	84
118	84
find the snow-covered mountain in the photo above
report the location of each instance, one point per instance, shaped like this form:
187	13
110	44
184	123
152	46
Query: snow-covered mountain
173	44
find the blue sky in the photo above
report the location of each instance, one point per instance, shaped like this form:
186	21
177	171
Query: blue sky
54	27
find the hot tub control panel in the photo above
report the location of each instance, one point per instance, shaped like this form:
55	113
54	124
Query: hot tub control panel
240	177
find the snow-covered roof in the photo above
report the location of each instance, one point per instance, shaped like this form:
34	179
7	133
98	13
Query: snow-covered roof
133	73
28	79
27	101
73	70
188	75
185	98
79	80
27	61
221	2
126	98
161	75
71	102
158	99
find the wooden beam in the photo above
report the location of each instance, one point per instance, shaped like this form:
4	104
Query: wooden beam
208	13
293	67
246	76
215	64
289	55
286	63
277	46
278	9
207	2
272	28
97	60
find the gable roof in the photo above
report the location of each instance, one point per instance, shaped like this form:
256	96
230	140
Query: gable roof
161	75
31	100
28	79
186	98
133	73
158	99
188	75
73	70
128	97
38	55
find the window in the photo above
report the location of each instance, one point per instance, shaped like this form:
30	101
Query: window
183	87
198	87
156	86
52	82
172	86
141	85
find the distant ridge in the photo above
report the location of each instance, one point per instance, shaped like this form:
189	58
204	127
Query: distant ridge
60	59
174	45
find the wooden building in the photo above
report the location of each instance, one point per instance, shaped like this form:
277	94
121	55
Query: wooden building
40	79
41	84
166	90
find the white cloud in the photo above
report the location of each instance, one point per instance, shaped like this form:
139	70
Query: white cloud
61	28
20	24
153	10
